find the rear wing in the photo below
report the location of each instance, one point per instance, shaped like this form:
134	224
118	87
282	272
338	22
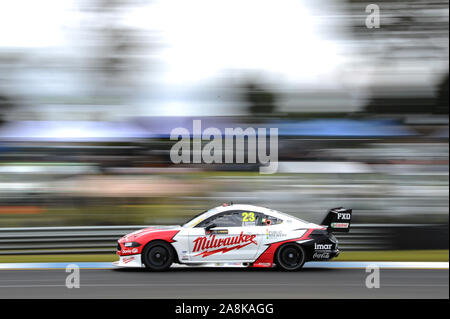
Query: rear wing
338	220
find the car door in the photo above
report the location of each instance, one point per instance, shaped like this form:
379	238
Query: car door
227	236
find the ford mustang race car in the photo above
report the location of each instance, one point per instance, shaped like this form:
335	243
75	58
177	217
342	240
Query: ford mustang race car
244	235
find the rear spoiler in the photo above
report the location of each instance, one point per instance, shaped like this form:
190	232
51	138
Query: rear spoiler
338	220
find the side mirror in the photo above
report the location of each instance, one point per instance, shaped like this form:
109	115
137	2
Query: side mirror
209	227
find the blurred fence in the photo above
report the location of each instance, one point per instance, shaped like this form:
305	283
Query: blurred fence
103	239
62	240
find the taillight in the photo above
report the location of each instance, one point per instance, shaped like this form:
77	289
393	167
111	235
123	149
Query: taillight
319	233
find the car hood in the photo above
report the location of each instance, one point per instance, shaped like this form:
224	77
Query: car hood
151	229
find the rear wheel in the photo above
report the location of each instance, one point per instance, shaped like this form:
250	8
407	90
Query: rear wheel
158	256
290	257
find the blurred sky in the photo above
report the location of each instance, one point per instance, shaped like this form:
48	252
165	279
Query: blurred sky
192	54
199	41
202	37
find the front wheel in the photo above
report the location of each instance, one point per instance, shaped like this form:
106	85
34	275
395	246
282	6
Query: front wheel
290	257
158	256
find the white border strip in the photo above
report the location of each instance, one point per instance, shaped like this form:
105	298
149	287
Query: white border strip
313	264
381	264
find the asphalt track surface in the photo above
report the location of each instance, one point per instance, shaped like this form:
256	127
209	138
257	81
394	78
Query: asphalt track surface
207	283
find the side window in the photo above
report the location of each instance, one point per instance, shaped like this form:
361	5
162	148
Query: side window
235	218
226	219
250	218
268	220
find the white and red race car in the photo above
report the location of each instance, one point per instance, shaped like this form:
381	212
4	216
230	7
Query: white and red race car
245	235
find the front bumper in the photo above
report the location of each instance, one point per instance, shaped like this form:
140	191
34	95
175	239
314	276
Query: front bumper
131	261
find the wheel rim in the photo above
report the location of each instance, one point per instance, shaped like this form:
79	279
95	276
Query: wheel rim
291	257
158	256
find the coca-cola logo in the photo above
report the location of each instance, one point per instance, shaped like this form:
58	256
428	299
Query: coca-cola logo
204	244
321	256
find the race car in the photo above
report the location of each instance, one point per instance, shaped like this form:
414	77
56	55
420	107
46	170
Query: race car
235	234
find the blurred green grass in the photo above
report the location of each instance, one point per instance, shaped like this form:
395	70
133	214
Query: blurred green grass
59	258
391	255
395	255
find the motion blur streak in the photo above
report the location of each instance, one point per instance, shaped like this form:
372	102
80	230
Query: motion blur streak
225	283
90	91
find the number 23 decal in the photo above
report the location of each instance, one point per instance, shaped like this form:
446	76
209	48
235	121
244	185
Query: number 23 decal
248	217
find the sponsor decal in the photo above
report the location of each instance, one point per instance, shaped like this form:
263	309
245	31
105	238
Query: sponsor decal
322	246
126	260
264	264
274	234
219	231
130	251
204	244
339	225
345	216
248	224
321	256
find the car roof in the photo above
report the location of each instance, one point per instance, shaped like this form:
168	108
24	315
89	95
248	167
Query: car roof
260	209
245	207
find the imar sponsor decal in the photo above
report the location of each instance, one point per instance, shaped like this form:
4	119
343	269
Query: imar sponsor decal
322	246
204	243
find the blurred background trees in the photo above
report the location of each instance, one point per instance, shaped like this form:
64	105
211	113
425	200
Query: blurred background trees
362	113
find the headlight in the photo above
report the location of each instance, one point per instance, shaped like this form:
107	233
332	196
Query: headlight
131	244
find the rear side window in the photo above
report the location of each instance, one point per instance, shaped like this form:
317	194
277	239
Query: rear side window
267	220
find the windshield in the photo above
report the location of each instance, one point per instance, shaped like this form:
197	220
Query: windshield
192	218
286	216
196	219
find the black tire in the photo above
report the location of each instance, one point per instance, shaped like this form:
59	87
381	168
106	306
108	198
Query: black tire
158	256
290	257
